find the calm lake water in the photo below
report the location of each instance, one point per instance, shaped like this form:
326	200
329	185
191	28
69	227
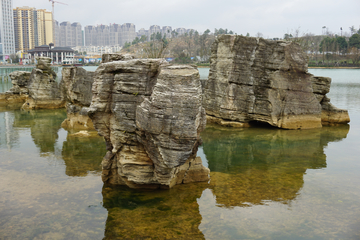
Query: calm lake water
265	183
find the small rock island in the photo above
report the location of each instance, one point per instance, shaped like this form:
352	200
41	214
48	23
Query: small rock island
150	114
257	80
37	89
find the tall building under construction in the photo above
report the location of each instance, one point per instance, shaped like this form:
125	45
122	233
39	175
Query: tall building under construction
32	28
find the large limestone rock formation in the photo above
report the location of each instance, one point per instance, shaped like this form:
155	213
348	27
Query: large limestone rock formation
44	91
76	86
18	93
253	79
151	116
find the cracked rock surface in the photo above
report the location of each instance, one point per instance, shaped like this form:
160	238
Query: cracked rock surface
150	114
44	91
19	91
258	80
76	84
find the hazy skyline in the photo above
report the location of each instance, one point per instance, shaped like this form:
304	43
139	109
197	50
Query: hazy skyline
271	18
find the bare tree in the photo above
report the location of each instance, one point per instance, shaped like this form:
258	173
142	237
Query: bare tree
259	35
156	47
352	30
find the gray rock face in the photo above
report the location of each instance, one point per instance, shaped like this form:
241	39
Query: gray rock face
151	116
330	115
111	57
253	79
18	93
20	81
44	91
76	84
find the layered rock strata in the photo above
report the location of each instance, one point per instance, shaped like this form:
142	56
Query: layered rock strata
258	80
44	91
76	84
19	92
330	115
111	57
151	116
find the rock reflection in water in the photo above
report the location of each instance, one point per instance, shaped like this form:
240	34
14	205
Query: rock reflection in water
83	152
161	214
252	166
44	126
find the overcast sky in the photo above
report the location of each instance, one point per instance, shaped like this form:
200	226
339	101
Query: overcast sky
272	18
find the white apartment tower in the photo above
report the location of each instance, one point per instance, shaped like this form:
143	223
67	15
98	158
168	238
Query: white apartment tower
68	34
7	39
109	35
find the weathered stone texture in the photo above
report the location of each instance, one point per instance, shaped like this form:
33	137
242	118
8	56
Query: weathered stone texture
253	79
18	93
76	84
44	91
151	116
111	57
330	115
20	81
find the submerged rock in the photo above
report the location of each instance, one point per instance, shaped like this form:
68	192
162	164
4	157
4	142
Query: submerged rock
151	116
177	212
44	91
76	86
255	165
253	79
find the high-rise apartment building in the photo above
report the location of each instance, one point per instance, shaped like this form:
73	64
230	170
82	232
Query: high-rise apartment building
127	33
32	28
7	41
77	38
68	34
24	28
43	25
90	35
154	29
166	31
109	35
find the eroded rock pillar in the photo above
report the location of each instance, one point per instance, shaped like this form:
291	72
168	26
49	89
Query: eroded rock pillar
44	91
151	116
76	84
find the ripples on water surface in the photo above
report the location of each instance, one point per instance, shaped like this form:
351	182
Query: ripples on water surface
265	183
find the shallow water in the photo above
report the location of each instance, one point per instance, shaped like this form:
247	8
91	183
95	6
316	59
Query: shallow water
265	183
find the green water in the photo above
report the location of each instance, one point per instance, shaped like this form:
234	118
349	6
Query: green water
265	183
